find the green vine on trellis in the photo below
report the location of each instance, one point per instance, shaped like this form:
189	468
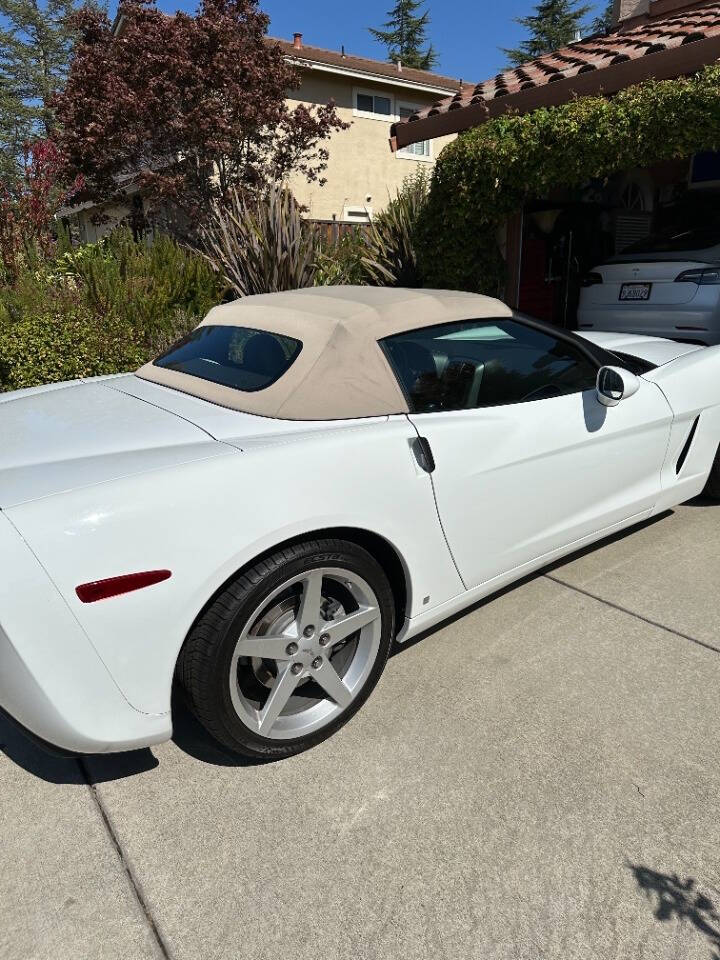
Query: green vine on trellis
490	171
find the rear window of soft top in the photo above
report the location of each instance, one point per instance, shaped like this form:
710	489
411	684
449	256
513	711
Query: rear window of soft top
238	357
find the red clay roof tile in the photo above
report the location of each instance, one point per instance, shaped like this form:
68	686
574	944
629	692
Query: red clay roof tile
592	53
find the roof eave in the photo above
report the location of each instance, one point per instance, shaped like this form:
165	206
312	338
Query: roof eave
662	65
369	76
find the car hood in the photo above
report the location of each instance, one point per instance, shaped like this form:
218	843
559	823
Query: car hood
69	435
653	349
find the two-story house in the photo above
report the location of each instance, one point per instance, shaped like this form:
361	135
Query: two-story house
362	173
370	95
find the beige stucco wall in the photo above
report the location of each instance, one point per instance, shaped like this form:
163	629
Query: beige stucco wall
361	164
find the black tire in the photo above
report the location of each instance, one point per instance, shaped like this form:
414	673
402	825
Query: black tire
712	487
205	661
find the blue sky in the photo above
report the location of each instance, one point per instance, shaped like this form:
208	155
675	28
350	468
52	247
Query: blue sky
465	33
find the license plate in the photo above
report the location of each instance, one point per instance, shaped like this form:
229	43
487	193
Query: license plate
635	291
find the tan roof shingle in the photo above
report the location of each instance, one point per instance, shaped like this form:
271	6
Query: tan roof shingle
376	68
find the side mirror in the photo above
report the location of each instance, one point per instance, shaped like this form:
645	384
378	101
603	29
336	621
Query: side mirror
615	384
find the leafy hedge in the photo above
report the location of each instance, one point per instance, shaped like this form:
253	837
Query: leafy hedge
52	347
99	309
489	172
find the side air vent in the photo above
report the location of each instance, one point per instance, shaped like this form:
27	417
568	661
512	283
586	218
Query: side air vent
686	446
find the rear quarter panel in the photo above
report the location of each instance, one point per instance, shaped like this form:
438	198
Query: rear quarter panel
206	520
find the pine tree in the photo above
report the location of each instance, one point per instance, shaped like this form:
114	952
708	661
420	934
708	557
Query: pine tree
606	21
554	24
35	46
404	35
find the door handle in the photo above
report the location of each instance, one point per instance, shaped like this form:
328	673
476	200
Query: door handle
423	454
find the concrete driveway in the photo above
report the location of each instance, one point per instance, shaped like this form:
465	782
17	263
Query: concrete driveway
536	779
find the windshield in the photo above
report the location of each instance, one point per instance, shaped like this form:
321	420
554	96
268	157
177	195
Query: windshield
677	241
237	357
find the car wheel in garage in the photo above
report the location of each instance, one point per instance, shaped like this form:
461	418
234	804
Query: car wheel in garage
290	649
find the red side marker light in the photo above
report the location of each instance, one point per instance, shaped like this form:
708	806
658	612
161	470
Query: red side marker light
114	586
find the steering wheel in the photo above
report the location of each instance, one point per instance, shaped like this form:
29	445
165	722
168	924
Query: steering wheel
458	379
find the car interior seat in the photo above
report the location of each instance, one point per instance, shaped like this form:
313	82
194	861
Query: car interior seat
263	354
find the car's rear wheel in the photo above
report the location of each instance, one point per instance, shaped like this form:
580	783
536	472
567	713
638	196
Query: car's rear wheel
712	487
290	649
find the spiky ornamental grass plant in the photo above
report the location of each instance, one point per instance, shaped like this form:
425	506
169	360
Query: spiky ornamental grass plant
261	244
391	256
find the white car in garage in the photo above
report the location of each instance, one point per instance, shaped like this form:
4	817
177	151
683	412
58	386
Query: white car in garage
665	286
304	479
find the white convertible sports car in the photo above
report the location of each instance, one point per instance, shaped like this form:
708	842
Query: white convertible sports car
304	478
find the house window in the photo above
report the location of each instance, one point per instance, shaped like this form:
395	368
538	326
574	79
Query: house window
419	151
357	214
375	105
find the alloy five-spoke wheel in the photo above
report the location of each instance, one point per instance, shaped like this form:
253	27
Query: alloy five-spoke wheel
290	649
305	653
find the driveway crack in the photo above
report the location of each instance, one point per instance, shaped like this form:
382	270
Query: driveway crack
632	613
129	872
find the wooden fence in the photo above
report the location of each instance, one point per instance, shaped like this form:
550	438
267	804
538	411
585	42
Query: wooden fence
331	231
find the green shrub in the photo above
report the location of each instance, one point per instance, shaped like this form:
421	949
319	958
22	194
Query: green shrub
48	348
99	309
342	262
144	284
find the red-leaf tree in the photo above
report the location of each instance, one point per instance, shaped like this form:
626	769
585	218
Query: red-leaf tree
186	107
30	202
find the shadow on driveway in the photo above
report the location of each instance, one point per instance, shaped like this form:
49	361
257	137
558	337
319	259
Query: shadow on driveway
192	738
75	770
702	502
674	897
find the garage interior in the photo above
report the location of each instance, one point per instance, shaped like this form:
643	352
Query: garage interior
566	235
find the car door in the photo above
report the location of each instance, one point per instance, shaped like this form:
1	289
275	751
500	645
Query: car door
527	460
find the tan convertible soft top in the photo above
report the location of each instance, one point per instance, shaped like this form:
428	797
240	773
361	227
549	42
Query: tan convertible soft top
341	372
